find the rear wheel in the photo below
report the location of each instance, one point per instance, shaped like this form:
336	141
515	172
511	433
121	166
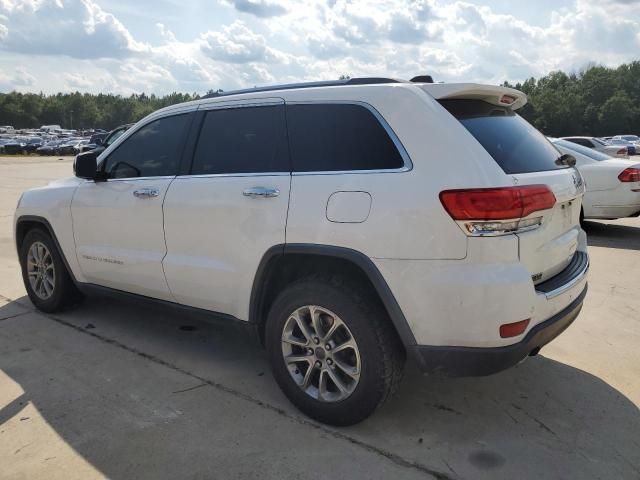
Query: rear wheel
45	276
333	350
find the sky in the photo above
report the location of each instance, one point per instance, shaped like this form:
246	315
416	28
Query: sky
162	46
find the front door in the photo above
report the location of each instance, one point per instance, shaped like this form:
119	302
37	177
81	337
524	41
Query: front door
231	208
117	223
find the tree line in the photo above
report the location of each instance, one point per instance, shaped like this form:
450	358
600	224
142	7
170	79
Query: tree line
596	101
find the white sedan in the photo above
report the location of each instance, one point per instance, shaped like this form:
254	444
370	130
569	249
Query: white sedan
613	184
599	145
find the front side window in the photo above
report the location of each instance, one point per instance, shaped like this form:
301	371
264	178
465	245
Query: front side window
152	151
339	137
242	140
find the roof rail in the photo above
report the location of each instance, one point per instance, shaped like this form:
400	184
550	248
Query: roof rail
291	86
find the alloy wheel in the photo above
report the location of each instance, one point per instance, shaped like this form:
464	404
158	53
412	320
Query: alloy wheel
321	354
41	271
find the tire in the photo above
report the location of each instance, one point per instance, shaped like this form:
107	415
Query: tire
63	292
380	352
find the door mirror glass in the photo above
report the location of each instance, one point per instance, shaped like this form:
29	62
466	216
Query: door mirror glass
86	165
98	141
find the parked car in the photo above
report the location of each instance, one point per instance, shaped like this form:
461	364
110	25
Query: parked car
3	142
16	146
350	224
635	139
32	144
632	148
72	147
613	184
50	148
112	136
600	145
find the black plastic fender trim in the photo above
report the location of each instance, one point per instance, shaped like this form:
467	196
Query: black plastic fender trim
359	259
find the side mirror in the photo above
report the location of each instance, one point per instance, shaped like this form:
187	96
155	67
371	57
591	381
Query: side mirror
98	141
86	165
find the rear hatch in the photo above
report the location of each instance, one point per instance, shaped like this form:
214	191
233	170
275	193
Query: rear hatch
528	158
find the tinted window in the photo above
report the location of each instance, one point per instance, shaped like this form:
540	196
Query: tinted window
581	141
512	142
152	151
589	152
242	140
338	137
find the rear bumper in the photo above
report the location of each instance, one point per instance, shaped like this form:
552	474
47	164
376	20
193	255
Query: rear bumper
471	361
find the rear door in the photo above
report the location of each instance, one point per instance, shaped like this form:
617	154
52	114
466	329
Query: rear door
230	207
529	158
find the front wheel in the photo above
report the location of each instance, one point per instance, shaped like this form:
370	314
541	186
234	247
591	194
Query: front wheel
45	276
333	350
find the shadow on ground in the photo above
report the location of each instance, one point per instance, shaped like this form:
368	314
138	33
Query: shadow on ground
103	377
612	235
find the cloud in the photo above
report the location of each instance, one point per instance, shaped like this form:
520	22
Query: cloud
17	80
234	44
74	28
80	45
259	8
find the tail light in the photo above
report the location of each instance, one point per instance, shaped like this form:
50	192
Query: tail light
631	174
498	211
622	151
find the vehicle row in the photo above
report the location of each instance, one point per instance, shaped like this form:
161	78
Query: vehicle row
617	146
50	144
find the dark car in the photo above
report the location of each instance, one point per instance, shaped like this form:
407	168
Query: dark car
50	148
32	144
71	147
111	137
98	138
16	146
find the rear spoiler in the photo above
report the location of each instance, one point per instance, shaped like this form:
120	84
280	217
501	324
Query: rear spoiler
493	94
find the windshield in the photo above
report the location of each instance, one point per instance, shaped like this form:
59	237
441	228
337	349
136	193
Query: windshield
631	138
589	152
513	143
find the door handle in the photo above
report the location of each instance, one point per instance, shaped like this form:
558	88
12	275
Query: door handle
146	192
266	192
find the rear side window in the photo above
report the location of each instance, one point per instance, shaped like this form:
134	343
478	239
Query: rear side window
589	152
581	141
339	137
513	143
242	140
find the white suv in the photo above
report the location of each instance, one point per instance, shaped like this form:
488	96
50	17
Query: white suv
350	224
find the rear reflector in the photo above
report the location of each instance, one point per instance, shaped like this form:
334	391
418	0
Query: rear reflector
497	203
513	329
631	174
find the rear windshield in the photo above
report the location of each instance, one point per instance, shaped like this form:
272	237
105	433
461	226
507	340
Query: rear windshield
512	142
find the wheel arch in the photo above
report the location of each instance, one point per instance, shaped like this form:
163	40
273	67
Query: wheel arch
268	280
25	223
